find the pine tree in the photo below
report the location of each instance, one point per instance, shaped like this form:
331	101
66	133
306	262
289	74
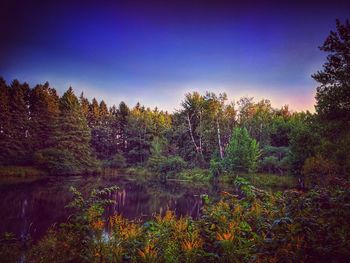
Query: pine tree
333	97
5	122
74	134
85	106
242	152
103	141
94	113
333	94
19	130
44	112
122	120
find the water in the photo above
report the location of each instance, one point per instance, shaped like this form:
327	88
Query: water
30	208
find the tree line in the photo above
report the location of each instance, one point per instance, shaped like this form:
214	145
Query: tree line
71	134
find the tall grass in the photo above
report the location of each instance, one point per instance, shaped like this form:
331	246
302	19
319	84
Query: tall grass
20	171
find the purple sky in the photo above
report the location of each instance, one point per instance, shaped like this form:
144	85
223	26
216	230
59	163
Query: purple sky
155	51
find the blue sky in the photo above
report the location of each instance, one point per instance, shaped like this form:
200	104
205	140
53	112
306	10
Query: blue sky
155	51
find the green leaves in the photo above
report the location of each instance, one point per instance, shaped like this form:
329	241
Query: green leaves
242	153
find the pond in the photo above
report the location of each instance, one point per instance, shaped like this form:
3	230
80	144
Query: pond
29	208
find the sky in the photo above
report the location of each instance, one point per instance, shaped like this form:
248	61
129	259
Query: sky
156	51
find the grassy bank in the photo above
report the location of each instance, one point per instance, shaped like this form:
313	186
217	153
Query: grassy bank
272	181
261	180
21	171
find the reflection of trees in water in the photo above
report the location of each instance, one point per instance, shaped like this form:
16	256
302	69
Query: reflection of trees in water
33	207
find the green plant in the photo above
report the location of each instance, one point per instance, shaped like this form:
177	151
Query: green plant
116	162
242	153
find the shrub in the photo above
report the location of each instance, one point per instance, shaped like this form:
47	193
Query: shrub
117	161
195	174
172	165
155	163
318	170
242	153
56	161
269	164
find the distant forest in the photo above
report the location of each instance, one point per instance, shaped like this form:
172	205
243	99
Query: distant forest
71	135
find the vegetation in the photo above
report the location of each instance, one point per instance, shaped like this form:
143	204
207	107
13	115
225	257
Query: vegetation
20	171
254	226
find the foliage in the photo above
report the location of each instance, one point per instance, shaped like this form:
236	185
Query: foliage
333	94
319	170
253	226
275	160
79	239
195	175
242	152
10	248
167	166
117	161
271	181
20	171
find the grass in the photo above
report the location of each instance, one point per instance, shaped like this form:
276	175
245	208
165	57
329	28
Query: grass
194	175
20	171
271	181
138	172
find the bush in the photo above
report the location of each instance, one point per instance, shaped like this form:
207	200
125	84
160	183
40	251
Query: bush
195	174
269	164
58	162
172	165
155	162
117	161
319	171
242	153
166	166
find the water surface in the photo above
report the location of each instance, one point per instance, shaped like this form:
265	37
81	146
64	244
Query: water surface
30	208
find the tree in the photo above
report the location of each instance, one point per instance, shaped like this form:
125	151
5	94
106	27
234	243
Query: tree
44	112
303	140
138	135
5	122
193	107
85	106
333	94
214	110
242	152
257	118
19	129
333	97
120	126
74	134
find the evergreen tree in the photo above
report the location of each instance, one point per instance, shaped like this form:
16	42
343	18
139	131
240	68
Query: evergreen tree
102	141
333	94
333	97
242	152
44	112
74	134
120	126
85	106
5	122
19	130
138	135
